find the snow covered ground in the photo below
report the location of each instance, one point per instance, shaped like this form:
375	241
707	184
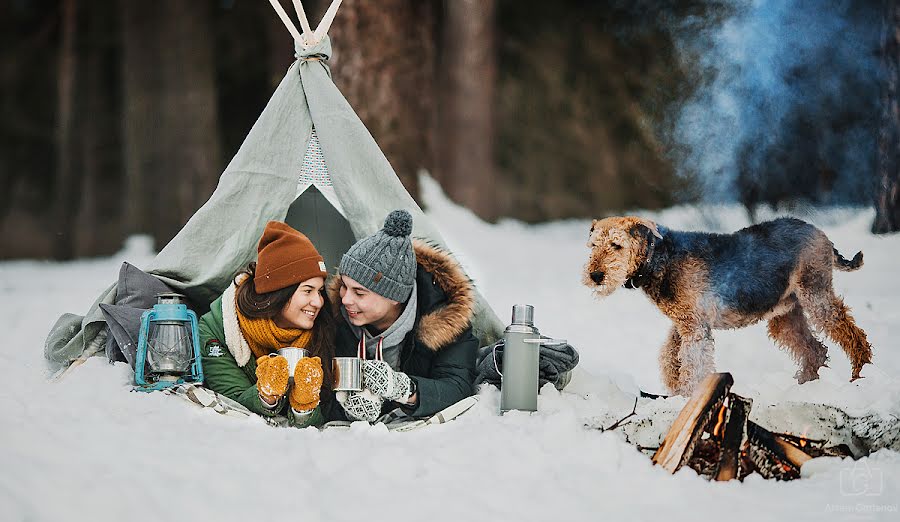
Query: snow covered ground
87	449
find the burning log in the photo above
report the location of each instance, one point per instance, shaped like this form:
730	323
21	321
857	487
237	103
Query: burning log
714	436
773	457
734	433
816	448
688	427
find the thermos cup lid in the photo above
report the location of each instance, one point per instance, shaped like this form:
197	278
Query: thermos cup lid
523	314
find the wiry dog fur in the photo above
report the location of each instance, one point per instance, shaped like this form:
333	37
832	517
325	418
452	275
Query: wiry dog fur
779	271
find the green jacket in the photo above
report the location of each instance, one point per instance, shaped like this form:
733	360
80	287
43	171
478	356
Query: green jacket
439	353
235	376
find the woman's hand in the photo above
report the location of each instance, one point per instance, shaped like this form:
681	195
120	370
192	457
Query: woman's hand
271	378
308	377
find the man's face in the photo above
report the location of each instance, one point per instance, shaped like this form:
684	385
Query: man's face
365	307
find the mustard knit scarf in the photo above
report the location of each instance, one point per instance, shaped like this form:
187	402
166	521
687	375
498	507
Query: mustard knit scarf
264	336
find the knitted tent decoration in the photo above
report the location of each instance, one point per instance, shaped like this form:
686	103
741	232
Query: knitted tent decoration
269	179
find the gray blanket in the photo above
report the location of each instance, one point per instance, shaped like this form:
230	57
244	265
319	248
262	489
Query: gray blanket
555	364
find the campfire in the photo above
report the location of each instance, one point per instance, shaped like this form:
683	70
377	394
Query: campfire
714	436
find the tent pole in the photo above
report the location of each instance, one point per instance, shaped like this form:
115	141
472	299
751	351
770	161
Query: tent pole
286	20
304	21
325	24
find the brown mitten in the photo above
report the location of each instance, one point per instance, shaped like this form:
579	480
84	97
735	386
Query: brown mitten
272	377
307	384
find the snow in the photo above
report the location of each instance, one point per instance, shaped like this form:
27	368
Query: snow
87	449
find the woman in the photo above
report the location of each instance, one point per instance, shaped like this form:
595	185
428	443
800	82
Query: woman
272	304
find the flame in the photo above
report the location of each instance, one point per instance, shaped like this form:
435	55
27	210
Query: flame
721	421
803	440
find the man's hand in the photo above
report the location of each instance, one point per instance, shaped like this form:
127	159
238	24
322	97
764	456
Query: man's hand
307	384
360	405
271	378
385	382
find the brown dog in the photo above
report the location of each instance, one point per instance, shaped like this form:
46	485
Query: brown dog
779	271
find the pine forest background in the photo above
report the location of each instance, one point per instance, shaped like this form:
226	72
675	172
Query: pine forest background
117	116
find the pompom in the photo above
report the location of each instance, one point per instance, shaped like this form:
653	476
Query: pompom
398	223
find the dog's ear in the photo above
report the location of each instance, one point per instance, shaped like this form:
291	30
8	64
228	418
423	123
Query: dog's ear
593	225
643	226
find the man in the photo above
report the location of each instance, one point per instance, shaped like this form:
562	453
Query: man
414	301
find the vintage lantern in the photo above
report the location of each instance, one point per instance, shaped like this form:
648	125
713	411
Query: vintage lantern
168	351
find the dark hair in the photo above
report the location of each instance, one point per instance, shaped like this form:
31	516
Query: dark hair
270	304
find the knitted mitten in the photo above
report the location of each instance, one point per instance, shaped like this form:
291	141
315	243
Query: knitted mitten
364	405
307	384
385	382
272	377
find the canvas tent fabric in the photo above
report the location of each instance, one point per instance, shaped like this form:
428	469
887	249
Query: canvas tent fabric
260	184
317	211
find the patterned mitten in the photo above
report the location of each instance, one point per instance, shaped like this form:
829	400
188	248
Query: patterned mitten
272	377
385	382
363	405
307	384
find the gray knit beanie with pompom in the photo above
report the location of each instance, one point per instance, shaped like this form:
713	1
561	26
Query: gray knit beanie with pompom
384	262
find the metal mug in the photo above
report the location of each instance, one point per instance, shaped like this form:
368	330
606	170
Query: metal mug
347	373
292	354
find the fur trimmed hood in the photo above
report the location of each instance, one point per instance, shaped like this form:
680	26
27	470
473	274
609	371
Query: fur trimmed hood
234	338
438	324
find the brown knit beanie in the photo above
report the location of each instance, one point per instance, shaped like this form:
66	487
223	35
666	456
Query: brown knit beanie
286	257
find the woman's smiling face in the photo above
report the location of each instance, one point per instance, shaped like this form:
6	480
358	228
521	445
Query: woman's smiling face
303	308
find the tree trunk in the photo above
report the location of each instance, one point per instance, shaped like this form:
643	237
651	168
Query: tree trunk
468	74
67	184
99	228
142	88
189	114
384	64
887	204
170	114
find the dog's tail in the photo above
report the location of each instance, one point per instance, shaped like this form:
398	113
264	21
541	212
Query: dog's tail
847	266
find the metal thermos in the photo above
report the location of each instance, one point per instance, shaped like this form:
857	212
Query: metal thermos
521	354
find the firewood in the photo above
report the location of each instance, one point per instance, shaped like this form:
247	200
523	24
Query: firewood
771	456
795	455
705	457
802	442
816	448
714	436
734	433
688	427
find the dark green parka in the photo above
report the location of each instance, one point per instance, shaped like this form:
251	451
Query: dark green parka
229	367
439	353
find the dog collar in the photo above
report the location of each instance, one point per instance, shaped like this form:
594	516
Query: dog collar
640	277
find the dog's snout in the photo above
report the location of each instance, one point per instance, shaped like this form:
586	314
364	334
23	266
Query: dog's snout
597	276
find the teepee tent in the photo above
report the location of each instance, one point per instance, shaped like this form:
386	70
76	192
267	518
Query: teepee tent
305	115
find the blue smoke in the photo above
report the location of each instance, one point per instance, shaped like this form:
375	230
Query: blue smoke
788	105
